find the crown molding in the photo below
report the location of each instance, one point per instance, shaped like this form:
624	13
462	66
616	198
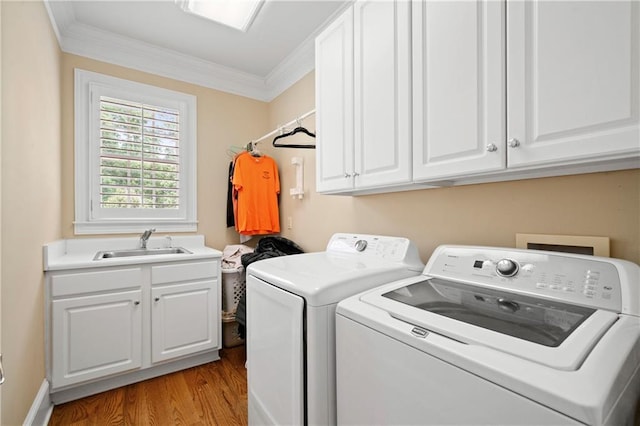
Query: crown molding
88	41
300	62
64	16
295	66
84	40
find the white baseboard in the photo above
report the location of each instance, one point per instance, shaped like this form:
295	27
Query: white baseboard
41	408
73	392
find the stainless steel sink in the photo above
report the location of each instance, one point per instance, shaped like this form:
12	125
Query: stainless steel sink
110	254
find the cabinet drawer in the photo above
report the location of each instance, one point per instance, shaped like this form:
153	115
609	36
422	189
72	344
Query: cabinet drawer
161	274
106	280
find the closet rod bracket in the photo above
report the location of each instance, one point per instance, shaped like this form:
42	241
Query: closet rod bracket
298	191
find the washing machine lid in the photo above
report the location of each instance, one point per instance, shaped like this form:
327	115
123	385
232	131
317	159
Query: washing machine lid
548	332
540	321
325	278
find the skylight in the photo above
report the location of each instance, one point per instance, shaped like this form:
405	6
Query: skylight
236	14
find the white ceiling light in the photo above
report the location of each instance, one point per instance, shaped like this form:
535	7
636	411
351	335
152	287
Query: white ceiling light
236	14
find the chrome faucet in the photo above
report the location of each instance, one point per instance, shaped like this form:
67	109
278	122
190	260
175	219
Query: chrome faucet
145	237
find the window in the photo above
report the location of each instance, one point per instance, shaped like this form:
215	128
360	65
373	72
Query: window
139	155
135	151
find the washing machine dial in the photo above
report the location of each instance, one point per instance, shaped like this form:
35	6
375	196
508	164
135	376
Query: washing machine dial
361	245
507	267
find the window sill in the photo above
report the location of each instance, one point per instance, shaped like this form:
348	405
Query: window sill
129	227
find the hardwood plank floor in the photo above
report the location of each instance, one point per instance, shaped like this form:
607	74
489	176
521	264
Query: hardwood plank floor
210	394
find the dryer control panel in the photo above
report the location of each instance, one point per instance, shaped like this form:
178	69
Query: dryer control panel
584	280
395	249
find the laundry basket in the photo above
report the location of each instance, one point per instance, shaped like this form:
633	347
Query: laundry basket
230	334
233	285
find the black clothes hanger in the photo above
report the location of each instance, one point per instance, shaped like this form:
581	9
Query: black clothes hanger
298	129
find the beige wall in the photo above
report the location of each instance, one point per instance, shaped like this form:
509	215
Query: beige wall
601	204
225	121
30	194
0	201
316	217
37	177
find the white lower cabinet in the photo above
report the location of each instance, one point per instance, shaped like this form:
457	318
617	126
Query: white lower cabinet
105	323
183	320
95	336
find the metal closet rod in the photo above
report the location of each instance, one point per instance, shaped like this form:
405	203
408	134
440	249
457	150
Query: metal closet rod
279	129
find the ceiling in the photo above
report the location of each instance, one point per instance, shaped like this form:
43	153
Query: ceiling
157	36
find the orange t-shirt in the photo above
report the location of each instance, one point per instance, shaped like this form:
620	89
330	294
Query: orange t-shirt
258	184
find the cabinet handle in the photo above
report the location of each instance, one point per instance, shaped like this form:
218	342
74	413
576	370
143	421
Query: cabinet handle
137	302
157	299
355	174
1	371
513	143
492	147
347	175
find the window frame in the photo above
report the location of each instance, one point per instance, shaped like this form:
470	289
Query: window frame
90	218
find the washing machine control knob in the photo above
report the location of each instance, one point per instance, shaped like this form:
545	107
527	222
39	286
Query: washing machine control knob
361	245
507	267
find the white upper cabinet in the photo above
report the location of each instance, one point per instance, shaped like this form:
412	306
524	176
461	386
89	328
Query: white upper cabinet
334	105
363	98
458	92
573	81
567	70
459	85
382	65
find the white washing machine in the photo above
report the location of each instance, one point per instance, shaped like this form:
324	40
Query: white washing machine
291	303
494	336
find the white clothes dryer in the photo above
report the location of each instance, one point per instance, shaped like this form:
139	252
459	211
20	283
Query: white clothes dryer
291	302
494	336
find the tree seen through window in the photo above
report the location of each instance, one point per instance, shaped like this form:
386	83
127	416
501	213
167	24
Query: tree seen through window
139	155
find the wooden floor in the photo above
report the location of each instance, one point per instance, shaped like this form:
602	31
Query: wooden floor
210	394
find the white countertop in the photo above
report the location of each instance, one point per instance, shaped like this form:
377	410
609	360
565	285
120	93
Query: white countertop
78	253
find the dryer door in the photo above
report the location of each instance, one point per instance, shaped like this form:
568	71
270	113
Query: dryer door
275	355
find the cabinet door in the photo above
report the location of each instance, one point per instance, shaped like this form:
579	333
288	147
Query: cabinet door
185	319
94	336
382	92
334	105
458	88
573	81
